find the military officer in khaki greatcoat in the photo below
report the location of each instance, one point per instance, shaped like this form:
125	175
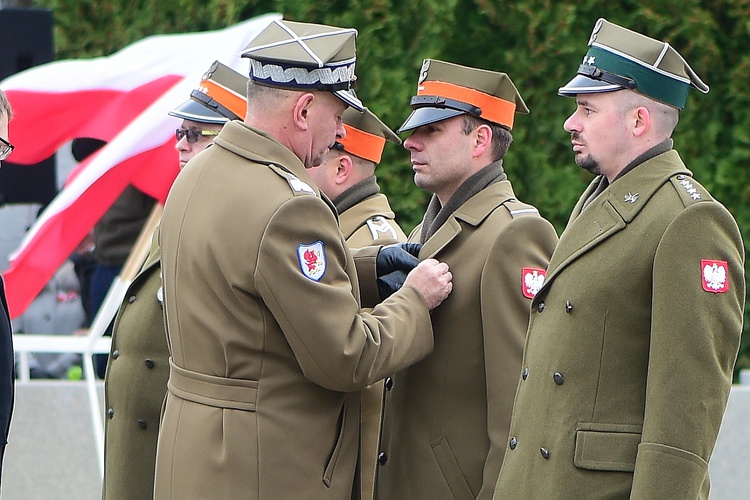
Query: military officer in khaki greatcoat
347	177
269	344
633	336
446	418
137	370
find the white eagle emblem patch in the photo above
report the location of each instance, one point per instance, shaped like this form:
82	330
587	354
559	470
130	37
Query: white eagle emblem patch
312	260
715	276
532	280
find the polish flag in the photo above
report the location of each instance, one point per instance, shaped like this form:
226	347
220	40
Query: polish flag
122	99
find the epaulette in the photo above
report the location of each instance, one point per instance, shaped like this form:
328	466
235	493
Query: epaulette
298	187
519	209
689	190
380	227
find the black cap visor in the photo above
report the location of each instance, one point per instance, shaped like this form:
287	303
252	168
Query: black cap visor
424	116
581	84
197	112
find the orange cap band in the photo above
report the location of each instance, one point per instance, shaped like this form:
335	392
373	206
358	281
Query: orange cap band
363	144
493	108
234	102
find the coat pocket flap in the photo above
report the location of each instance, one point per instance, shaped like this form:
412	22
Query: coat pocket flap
607	447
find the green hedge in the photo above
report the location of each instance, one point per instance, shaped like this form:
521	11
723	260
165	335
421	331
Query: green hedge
538	42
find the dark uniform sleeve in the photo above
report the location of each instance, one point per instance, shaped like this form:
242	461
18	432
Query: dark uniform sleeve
695	336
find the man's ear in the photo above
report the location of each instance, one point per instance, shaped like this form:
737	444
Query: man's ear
343	169
641	120
301	110
482	139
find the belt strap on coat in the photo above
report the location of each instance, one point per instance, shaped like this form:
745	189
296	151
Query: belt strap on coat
221	392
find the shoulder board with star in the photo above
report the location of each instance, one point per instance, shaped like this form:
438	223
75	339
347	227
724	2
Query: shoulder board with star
689	190
520	209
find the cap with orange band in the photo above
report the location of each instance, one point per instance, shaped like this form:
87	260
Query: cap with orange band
446	90
219	98
366	135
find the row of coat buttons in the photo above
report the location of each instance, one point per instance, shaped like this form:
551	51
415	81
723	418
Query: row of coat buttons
541	306
383	456
514	442
558	377
148	362
141	423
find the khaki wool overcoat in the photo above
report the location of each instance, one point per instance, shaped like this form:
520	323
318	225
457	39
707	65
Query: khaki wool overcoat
371	221
134	386
631	345
446	418
269	345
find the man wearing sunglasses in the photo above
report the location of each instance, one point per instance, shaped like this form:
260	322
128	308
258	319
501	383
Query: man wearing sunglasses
138	366
6	341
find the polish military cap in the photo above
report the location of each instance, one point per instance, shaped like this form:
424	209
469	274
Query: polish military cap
446	90
619	58
219	98
303	56
366	135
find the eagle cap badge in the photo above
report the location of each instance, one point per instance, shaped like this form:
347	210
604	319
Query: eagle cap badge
532	279
312	260
715	276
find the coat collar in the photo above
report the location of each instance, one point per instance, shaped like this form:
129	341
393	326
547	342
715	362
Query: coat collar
260	147
473	212
613	209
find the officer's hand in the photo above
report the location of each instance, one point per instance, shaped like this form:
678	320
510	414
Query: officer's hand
389	283
433	280
395	258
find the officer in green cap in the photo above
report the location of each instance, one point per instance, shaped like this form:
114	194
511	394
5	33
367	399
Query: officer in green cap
446	418
633	335
138	366
269	344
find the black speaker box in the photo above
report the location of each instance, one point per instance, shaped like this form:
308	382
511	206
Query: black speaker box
26	41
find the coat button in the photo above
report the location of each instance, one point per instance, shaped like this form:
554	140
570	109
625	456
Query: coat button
388	384
382	458
116	354
111	413
513	443
525	373
559	378
540	307
149	363
131	299
142	424
544	452
568	306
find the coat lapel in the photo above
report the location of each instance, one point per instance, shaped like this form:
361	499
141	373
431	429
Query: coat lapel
473	212
612	210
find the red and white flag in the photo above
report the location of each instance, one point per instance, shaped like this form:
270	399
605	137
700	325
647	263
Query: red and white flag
122	99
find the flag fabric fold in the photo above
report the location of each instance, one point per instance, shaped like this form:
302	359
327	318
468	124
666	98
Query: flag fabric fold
122	99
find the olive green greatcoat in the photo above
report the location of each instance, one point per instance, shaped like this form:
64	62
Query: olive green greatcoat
371	221
446	418
267	363
628	360
134	387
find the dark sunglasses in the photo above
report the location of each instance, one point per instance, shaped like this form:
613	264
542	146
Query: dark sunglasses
6	149
193	136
